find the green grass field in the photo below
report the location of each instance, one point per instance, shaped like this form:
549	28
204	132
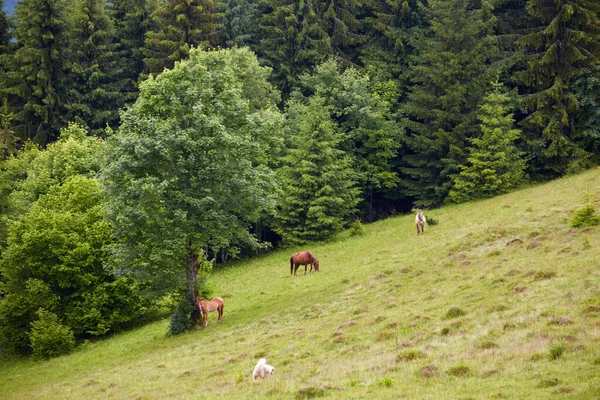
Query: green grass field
499	300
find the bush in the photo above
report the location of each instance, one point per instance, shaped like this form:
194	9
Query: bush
585	217
556	350
357	228
49	338
180	319
454	312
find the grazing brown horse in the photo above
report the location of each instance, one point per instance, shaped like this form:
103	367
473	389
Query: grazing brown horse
303	258
209	306
420	221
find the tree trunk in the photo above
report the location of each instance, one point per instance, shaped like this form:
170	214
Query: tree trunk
192	276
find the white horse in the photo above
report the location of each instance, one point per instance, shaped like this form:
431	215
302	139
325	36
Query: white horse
420	221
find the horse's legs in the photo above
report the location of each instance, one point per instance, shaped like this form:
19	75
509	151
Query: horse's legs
221	312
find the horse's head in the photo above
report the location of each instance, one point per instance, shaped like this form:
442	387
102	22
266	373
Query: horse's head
316	264
420	214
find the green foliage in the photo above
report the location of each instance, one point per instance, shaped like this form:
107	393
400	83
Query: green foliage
495	165
357	228
450	77
49	338
297	36
386	382
565	40
318	183
188	170
556	350
39	81
454	312
362	112
239	24
96	85
585	217
180	26
180	319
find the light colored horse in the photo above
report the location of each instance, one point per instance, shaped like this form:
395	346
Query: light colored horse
420	221
209	306
303	258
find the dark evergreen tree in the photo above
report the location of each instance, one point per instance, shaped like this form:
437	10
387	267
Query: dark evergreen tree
239	22
131	19
565	40
40	64
298	35
97	84
450	77
586	130
370	135
180	25
318	181
495	165
394	27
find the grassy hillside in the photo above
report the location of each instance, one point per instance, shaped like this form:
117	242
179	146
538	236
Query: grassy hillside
500	299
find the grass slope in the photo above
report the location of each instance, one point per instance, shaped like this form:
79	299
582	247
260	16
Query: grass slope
501	299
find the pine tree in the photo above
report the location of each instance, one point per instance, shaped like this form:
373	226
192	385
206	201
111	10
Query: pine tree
394	27
39	64
495	164
97	83
566	39
370	134
318	181
180	25
449	79
298	35
131	21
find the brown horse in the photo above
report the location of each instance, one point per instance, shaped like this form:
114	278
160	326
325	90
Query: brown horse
303	258
209	306
420	221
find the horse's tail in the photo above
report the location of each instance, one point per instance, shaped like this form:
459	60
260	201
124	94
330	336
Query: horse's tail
291	265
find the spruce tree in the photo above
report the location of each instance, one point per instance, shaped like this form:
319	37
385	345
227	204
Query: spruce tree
362	112
450	77
393	28
495	164
179	26
298	35
132	20
40	63
96	81
565	40
318	181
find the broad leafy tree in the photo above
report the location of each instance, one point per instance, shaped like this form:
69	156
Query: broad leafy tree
186	174
565	40
55	244
318	181
495	164
239	22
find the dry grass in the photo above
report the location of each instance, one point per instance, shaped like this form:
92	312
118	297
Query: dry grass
374	322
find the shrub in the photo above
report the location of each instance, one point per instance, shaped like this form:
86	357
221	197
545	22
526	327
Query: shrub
357	228
556	350
461	370
387	382
454	312
180	319
585	217
48	337
410	355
